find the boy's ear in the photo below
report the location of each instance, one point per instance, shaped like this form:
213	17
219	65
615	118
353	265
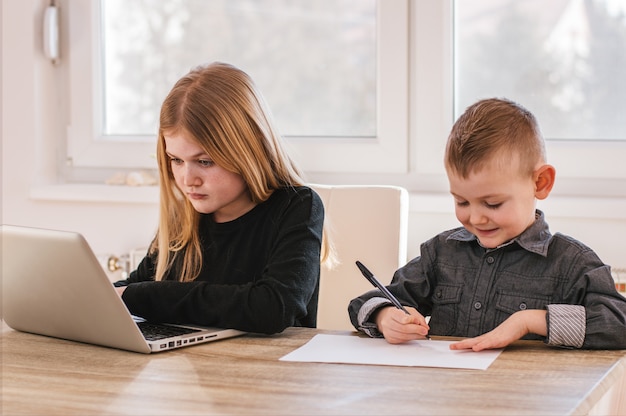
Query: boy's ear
544	178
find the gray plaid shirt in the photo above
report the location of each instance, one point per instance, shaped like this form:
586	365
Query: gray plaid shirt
468	290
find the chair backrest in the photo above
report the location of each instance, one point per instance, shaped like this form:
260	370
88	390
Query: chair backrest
365	223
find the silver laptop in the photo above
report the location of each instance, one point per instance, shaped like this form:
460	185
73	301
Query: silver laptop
53	285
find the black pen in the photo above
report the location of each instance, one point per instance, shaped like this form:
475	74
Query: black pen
372	279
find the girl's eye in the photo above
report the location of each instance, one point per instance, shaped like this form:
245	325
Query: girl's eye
205	162
175	161
493	206
462	203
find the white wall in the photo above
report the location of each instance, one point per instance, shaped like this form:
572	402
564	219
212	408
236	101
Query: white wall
32	116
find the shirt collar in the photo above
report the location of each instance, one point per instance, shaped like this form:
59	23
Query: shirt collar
535	238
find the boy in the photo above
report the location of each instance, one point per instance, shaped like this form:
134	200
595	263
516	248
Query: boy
502	276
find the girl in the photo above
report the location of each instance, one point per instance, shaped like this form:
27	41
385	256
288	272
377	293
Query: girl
239	238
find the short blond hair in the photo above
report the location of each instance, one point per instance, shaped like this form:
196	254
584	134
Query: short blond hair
494	127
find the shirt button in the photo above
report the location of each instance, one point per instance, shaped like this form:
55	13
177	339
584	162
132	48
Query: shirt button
439	294
490	260
477	305
522	306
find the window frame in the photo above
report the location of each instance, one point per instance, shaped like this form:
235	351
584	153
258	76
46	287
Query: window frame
412	157
386	152
603	172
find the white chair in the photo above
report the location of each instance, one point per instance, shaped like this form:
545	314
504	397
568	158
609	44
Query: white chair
365	223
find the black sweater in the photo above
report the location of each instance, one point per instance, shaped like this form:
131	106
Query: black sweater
260	272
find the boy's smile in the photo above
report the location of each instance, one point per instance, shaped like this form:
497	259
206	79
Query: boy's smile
496	203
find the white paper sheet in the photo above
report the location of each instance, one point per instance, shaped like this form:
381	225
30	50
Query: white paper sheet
351	349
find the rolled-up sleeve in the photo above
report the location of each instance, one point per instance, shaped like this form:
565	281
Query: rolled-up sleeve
365	313
566	325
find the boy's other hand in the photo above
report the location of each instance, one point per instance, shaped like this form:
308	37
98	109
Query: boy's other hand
398	327
512	329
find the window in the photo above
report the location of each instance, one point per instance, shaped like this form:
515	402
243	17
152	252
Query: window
471	53
333	72
423	63
316	64
564	60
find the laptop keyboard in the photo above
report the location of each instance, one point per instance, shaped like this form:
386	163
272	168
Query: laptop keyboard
153	332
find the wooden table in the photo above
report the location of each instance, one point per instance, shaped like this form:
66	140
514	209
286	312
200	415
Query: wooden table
242	375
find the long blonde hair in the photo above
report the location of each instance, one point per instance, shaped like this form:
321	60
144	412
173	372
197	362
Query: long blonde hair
220	106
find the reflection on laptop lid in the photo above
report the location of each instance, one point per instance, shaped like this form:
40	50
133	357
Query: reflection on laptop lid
53	285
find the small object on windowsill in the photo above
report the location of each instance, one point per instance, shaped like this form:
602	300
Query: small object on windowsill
134	178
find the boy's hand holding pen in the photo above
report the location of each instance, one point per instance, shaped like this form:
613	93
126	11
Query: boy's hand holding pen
397	324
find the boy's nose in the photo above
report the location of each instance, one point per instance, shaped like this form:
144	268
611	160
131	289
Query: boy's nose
477	217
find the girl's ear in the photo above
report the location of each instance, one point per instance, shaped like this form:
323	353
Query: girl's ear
544	178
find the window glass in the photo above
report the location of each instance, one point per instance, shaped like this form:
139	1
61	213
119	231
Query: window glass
564	60
314	61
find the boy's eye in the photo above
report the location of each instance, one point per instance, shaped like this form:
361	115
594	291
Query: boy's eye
493	206
462	203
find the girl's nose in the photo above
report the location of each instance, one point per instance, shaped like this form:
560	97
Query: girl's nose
190	176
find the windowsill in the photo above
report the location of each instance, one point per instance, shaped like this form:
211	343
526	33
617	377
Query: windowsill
88	192
419	202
